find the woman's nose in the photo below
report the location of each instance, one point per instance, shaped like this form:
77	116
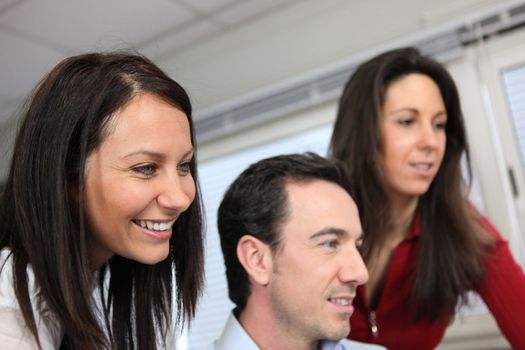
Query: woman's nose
177	193
428	136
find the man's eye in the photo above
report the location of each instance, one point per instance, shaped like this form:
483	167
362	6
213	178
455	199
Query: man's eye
332	244
147	170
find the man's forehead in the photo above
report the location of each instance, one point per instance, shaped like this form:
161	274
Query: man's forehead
321	207
310	191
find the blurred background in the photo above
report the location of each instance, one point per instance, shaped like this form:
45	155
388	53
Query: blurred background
264	78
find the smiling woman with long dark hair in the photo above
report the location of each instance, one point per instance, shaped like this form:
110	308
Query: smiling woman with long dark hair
100	215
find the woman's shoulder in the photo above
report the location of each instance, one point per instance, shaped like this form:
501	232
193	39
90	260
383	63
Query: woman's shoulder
13	328
7	290
7	293
492	234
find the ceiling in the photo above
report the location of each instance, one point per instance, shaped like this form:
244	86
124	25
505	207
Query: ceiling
35	35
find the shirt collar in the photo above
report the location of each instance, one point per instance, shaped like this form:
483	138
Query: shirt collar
335	345
234	337
345	344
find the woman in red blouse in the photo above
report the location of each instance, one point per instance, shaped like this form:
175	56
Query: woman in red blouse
401	133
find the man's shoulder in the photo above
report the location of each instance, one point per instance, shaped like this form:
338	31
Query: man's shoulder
207	347
346	344
327	345
233	337
355	345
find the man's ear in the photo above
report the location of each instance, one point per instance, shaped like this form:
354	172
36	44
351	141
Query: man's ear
256	258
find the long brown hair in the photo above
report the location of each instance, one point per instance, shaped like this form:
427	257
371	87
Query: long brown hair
42	218
451	248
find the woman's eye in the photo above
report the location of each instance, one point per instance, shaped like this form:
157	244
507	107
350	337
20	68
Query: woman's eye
147	170
440	125
184	168
404	121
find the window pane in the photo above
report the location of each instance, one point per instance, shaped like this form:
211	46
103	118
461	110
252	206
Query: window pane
514	86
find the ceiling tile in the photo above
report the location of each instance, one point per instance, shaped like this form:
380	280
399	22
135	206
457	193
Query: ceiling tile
96	24
209	6
184	36
245	10
23	65
7	5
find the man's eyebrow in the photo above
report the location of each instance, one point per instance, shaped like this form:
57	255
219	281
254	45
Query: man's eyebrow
329	231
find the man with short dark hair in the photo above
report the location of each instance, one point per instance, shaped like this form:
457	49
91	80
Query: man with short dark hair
289	232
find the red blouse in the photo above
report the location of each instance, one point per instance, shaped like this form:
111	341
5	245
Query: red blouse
503	291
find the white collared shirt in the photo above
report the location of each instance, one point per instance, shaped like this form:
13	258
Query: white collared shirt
14	333
234	337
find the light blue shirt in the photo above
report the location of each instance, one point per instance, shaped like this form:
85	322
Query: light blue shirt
234	337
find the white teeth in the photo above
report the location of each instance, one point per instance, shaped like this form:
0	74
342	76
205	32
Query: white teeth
340	301
165	225
155	226
422	166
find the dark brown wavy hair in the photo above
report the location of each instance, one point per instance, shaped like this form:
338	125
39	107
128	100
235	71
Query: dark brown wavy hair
452	244
42	218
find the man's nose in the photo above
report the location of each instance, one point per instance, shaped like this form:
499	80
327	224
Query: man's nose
353	268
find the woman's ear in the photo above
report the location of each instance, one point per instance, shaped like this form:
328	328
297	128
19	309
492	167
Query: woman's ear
256	258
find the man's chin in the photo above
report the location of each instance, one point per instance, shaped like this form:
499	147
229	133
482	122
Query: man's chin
338	333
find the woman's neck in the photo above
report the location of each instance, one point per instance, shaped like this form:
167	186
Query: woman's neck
402	212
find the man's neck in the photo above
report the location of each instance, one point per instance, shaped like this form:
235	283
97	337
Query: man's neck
259	323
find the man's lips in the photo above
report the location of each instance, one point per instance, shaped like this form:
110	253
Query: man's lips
344	301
